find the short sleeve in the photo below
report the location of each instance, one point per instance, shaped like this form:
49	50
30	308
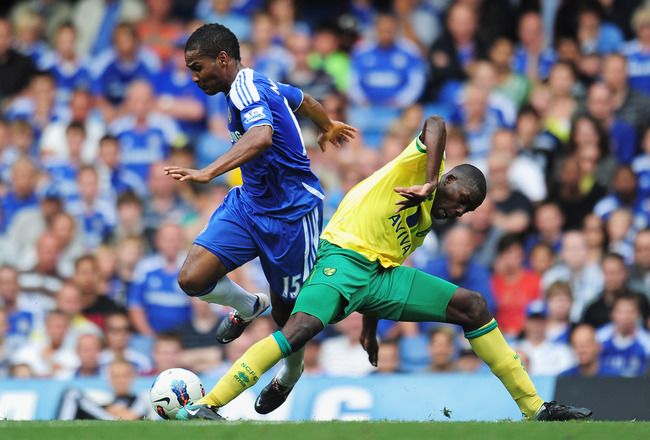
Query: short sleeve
251	102
135	296
293	95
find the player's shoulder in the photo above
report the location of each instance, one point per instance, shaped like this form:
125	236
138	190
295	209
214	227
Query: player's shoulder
248	87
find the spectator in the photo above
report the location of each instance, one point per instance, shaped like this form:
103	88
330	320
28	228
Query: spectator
270	58
587	350
514	286
53	143
621	232
386	75
576	191
21	194
589	142
21	237
327	55
167	350
342	355
89	347
96	305
453	53
221	11
586	279
458	266
164	203
118	339
623	135
532	58
388	360
55	14
155	301
48	356
533	141
158	30
69	70
145	136
15	69
40	283
117	68
636	50
37	104
548	224
114	178
417	22
96	21
478	120
95	213
18	321
626	345
71	242
624	194
123	404
542	258
640	270
614	285
5	349
514	86
559	300
442	350
63	171
314	81
594	34
562	104
69	301
595	236
199	349
633	108
485	234
513	209
545	357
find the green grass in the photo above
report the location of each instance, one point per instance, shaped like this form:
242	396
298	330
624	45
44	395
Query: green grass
147	430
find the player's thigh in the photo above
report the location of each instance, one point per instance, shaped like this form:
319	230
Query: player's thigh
427	298
322	301
224	244
287	251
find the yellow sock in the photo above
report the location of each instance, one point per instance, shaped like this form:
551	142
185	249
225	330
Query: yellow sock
488	344
246	371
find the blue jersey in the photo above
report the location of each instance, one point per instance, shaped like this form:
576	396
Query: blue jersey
277	183
69	77
146	144
97	221
546	61
113	76
628	356
156	291
638	66
10	205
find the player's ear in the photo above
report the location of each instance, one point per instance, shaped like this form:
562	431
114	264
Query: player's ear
450	178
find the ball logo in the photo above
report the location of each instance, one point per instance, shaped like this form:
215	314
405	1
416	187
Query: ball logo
179	388
161	412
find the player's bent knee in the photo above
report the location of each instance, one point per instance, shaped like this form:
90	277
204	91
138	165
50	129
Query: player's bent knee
470	309
300	328
192	284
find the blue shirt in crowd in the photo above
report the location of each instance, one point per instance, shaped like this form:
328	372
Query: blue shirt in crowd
627	356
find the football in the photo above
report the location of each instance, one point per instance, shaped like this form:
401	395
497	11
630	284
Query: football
173	389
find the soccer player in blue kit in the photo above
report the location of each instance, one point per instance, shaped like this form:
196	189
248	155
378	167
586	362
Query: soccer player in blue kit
276	214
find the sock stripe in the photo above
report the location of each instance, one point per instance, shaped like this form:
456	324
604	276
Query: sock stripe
285	347
487	328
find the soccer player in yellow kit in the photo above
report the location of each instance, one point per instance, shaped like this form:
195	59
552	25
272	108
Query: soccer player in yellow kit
379	223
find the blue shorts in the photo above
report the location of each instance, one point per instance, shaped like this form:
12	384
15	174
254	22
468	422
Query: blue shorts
287	250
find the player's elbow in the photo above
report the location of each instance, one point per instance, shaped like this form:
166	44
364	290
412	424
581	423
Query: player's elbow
436	122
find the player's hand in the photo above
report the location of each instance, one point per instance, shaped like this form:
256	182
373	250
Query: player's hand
188	174
338	132
414	195
369	343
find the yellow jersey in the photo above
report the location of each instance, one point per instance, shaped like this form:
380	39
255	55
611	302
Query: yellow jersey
366	222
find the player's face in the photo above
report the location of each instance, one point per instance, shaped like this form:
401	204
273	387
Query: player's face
452	199
206	73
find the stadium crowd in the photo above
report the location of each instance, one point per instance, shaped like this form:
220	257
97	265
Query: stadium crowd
551	99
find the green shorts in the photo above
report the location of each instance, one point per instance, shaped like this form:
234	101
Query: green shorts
343	281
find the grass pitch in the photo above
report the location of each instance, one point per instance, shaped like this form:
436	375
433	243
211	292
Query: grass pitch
148	430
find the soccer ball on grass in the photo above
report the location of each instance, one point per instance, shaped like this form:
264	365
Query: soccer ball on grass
173	389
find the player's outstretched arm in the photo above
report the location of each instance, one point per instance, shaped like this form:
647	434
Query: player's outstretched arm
434	137
253	142
368	338
331	132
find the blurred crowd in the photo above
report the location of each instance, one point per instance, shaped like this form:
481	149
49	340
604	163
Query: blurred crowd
551	99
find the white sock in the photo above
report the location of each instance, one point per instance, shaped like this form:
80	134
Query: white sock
291	368
231	294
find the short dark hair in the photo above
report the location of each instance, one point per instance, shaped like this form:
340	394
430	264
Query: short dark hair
210	39
508	241
474	180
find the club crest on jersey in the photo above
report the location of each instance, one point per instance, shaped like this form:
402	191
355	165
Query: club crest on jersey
329	271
